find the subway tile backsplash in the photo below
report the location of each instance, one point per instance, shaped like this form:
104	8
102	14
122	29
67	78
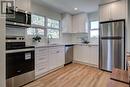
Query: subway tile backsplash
15	31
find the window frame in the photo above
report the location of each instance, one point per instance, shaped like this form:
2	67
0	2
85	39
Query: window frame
39	26
90	38
36	31
45	27
59	29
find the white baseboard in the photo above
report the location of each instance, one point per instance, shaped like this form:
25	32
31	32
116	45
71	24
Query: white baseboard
88	64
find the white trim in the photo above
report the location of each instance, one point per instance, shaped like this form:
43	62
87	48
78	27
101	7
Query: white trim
92	65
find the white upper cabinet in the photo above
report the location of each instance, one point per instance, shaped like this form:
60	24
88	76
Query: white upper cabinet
105	13
113	11
119	10
24	5
67	23
75	24
80	23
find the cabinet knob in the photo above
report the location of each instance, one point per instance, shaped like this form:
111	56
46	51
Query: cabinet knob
89	46
57	51
19	71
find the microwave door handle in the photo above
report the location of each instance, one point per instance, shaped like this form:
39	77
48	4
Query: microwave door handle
26	18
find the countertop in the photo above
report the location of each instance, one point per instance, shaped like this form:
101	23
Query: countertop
62	44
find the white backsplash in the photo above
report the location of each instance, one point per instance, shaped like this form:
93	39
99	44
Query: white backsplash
76	38
64	38
15	31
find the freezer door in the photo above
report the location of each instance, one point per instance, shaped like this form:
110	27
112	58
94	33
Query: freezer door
112	29
111	54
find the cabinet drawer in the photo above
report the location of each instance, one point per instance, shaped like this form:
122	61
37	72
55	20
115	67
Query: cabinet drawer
41	61
41	70
54	50
40	58
41	54
41	50
41	64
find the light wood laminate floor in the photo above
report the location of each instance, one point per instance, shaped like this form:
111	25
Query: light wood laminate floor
73	75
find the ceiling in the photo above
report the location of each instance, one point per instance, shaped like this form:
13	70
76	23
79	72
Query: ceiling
68	6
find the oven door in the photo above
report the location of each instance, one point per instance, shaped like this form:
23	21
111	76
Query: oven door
19	62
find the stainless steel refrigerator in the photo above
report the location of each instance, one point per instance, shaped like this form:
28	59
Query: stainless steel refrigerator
112	45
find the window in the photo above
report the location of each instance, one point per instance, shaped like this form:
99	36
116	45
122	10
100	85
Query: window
35	31
31	31
38	20
53	33
38	23
94	31
40	31
94	25
53	28
53	23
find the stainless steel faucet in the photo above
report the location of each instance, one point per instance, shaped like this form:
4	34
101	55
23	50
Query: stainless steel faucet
48	38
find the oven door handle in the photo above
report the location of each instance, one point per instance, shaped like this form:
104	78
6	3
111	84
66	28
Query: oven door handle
19	50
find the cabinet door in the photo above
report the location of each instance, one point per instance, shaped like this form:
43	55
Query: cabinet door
80	23
87	57
41	68
75	24
56	57
67	24
23	5
52	58
118	10
78	53
81	53
61	56
86	54
94	55
105	13
83	26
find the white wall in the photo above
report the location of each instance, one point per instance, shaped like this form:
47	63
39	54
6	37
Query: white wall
2	52
128	28
93	16
44	11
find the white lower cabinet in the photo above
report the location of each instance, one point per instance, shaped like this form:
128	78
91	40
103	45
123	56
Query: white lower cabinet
48	58
94	52
87	54
41	61
56	57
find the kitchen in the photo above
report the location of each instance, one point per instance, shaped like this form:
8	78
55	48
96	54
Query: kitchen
53	37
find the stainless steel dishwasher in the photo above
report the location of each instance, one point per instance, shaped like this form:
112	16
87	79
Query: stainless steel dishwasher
68	54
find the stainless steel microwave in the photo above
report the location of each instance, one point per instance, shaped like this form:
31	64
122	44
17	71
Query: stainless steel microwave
21	18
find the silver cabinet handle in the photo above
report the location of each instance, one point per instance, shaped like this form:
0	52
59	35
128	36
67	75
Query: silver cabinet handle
57	51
